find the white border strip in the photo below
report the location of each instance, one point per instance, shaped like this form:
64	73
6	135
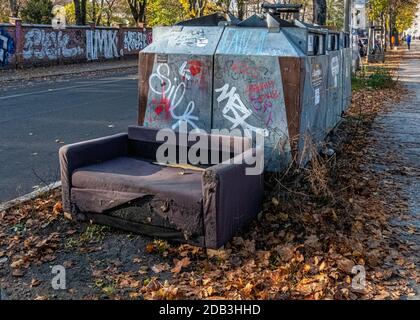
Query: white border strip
29	196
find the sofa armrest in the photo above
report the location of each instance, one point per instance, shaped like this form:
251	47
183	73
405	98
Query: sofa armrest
81	154
231	199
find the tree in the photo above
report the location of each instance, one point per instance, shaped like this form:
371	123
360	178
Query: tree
225	5
393	15
194	8
80	12
14	7
37	11
335	14
138	10
320	12
109	10
96	11
4	12
405	15
164	12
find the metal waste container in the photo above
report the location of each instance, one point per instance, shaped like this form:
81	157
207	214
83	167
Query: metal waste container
315	108
272	75
176	75
248	86
263	74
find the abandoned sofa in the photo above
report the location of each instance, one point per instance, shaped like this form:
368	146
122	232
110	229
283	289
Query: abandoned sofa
116	181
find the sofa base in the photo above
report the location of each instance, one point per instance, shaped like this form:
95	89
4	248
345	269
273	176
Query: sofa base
143	229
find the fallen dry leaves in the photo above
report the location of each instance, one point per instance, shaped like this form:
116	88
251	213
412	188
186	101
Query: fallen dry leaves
315	227
309	239
179	264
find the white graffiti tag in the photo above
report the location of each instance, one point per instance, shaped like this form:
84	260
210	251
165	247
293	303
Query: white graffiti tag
173	94
101	43
239	111
42	44
4	41
134	40
184	71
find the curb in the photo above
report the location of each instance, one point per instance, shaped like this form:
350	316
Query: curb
29	196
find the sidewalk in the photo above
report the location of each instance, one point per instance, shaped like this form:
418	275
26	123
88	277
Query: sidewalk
396	134
13	75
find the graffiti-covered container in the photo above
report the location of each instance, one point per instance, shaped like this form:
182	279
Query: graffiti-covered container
271	74
176	77
248	88
346	52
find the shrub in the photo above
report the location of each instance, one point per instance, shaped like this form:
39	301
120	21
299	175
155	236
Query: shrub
381	78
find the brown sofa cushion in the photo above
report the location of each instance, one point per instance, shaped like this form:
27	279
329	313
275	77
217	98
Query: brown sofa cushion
176	194
126	174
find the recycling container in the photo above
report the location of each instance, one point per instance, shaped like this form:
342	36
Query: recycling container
335	81
271	77
176	75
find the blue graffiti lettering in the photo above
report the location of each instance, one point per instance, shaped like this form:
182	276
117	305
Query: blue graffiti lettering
7	47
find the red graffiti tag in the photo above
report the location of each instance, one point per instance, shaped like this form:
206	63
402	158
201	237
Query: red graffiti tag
261	96
245	69
194	67
163	104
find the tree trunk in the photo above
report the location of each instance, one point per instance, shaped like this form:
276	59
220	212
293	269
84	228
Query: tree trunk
241	9
94	11
138	10
77	12
14	8
320	12
80	12
383	38
83	12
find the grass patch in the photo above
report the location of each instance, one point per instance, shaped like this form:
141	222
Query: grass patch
374	78
93	234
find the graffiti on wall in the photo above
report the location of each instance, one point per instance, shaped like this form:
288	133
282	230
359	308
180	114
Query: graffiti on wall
101	43
171	90
136	40
52	45
7	47
43	44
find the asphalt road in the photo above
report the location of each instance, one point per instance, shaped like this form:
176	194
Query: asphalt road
36	120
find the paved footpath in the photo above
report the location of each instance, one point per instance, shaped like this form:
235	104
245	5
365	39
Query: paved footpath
397	136
14	75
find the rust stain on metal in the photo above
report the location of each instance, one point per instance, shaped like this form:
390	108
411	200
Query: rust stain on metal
291	70
146	61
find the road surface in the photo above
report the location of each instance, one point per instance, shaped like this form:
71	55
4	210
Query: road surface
36	120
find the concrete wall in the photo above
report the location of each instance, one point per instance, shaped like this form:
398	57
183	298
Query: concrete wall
24	45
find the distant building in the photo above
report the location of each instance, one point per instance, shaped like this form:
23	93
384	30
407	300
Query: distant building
359	16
